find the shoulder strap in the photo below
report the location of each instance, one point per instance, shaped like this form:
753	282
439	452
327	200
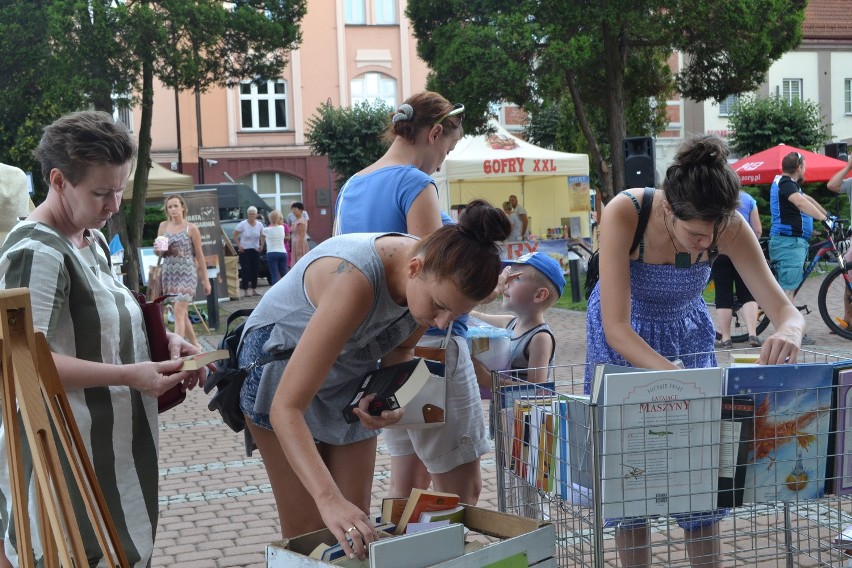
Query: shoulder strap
644	215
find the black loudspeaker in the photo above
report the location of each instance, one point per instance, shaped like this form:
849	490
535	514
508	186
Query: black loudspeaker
639	170
839	150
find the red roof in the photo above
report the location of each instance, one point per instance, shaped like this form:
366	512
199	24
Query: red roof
828	20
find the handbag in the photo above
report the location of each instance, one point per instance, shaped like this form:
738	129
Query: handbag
592	267
158	344
229	377
428	408
155	281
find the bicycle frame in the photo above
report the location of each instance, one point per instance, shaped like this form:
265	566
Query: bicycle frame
824	248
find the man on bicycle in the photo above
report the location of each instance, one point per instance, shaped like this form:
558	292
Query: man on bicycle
793	214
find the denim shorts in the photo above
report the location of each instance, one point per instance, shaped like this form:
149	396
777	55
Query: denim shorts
788	254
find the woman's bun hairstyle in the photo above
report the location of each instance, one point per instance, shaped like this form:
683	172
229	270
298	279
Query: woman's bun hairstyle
700	184
468	252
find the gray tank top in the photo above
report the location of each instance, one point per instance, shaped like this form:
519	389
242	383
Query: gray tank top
286	306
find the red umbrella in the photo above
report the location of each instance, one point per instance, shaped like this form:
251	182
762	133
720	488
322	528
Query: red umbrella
764	166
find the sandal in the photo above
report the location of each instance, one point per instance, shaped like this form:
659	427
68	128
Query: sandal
755	341
724	344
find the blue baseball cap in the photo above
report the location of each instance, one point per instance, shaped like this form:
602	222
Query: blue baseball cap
545	264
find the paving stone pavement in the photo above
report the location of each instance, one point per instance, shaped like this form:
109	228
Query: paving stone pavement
216	505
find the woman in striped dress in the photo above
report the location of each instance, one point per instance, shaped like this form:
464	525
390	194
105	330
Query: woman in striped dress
183	264
92	324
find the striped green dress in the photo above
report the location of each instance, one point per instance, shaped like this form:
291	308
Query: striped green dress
85	313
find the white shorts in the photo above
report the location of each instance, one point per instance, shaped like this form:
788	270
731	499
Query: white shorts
463	438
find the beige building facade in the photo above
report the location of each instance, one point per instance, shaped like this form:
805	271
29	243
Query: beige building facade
351	51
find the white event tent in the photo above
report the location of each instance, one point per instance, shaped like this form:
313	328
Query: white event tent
552	186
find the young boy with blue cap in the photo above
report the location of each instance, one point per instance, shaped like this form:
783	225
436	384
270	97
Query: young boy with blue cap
534	282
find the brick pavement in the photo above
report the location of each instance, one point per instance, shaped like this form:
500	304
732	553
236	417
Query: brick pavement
216	505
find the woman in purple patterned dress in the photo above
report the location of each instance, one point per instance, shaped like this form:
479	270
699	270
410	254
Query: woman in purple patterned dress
647	309
183	264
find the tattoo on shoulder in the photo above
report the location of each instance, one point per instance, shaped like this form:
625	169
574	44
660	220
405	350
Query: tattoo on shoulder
344	266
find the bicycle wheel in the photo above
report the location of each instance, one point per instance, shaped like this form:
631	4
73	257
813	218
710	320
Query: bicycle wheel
831	305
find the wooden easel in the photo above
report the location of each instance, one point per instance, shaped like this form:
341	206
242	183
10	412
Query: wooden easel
30	380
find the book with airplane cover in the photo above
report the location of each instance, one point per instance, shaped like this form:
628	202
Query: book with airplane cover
422	500
394	387
787	457
199	360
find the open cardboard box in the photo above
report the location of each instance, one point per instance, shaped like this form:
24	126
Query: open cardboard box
515	536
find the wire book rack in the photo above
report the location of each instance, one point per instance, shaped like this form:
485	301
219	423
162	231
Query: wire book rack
780	469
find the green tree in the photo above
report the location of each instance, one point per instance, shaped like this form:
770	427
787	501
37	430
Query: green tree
759	123
604	54
63	55
352	138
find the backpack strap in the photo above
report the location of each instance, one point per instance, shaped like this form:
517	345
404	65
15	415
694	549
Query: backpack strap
644	212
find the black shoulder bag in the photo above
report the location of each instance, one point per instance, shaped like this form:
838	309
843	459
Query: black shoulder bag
592	272
229	376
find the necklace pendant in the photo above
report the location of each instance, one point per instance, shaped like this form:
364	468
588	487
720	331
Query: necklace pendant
683	260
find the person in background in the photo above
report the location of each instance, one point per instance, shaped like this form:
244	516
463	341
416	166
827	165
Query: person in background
522	215
92	324
397	193
514	220
248	235
277	233
15	201
838	184
693	217
183	264
298	233
727	279
291	217
353	300
793	214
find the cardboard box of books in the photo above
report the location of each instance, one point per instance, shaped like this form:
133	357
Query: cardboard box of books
491	537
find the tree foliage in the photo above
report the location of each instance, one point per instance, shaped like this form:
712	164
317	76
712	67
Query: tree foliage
352	138
759	123
59	56
606	56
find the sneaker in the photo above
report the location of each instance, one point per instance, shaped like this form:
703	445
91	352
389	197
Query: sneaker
755	341
807	340
724	344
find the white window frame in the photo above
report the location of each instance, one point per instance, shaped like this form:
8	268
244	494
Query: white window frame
372	86
122	110
726	106
791	89
257	99
281	199
355	12
847	96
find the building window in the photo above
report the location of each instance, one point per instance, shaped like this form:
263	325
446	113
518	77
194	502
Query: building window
791	90
372	87
122	112
726	107
263	106
847	96
355	12
278	190
385	12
